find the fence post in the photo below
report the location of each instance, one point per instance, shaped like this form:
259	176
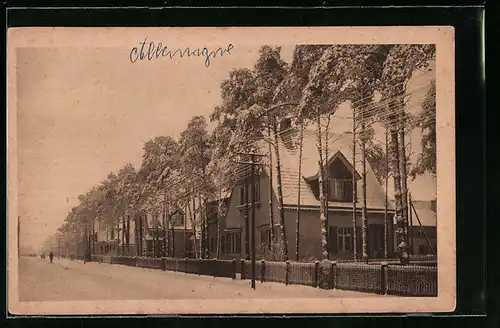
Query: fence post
200	263
383	275
175	264
316	274
186	264
262	270
242	269
215	267
287	272
333	274
234	268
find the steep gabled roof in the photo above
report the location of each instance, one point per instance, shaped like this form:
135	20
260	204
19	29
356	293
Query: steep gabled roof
339	147
426	214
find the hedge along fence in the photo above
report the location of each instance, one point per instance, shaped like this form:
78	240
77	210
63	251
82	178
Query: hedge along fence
398	280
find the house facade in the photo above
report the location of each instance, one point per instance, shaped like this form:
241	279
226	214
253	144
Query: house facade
339	172
423	235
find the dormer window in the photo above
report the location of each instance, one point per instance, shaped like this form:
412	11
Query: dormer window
285	124
177	219
340	190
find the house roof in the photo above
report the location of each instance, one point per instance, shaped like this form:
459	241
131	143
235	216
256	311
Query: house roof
339	145
426	214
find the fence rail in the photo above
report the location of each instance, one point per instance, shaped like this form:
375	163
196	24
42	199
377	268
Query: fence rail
382	278
410	280
209	267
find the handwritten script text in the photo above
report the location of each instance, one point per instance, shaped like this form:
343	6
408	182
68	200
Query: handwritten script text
148	50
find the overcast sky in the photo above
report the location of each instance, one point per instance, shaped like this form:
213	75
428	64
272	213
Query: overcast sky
85	112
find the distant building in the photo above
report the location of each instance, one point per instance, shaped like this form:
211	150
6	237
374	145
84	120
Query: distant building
112	240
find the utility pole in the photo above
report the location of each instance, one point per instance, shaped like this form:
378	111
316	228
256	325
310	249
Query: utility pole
247	225
252	164
253	219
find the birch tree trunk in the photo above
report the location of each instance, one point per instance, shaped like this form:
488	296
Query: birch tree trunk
123	235
206	245
364	219
297	237
322	216
171	224
386	225
165	232
402	165
400	235
280	194
271	191
143	240
185	228
193	227
326	179
354	187
219	215
127	236
136	235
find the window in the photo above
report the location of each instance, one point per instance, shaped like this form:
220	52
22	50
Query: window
344	241
340	190
244	193
285	124
178	219
232	242
256	192
265	235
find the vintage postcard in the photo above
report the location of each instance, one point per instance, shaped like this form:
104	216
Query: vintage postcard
231	170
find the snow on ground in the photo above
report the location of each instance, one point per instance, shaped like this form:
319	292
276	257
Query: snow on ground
66	280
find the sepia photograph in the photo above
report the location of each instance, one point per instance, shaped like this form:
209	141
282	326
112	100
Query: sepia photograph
231	170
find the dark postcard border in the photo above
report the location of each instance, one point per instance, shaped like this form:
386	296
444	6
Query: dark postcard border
470	129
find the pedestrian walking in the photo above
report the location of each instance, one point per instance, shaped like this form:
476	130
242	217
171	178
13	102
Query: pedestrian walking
51	256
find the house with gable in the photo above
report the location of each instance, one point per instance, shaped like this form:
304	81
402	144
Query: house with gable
339	171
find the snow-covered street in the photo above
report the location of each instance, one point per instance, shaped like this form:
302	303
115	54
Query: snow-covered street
66	280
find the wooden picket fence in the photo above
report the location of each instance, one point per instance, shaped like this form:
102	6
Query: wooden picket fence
207	267
408	280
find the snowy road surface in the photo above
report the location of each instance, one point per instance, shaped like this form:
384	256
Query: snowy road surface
66	280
